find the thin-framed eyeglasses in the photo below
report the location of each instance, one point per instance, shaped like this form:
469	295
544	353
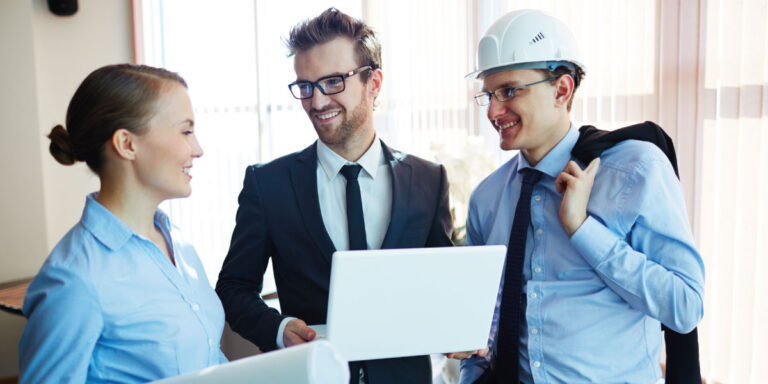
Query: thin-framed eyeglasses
328	85
504	93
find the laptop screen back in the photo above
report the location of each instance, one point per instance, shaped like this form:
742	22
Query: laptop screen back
407	302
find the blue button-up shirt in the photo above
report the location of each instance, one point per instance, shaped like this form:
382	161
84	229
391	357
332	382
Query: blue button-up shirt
593	302
108	306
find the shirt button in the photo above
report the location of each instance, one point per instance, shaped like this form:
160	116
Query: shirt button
195	307
533	295
537	269
535	331
536	364
537	198
210	342
539	231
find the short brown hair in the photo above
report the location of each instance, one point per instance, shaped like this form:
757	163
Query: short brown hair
331	24
577	75
110	98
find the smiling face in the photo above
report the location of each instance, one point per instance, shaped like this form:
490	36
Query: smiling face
345	118
533	121
165	151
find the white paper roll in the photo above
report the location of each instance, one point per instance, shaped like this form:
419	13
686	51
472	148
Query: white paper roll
316	362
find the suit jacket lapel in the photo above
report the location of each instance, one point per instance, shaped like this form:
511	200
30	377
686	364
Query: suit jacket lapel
401	187
304	179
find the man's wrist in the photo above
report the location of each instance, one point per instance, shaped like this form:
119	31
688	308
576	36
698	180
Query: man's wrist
281	331
571	229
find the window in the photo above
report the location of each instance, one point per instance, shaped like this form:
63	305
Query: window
231	55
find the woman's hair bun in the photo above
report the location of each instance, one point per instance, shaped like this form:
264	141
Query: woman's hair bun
61	148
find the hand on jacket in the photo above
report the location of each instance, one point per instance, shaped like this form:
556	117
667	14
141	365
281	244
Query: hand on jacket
576	186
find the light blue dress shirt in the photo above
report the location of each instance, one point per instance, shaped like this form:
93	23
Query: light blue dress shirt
593	302
108	306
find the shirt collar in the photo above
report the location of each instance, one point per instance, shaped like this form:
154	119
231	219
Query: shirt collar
110	230
162	219
331	162
104	225
556	160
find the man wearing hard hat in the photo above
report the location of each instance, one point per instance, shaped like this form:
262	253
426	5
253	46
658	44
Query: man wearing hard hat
597	256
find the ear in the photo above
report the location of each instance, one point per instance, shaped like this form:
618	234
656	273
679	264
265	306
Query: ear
123	143
374	82
563	90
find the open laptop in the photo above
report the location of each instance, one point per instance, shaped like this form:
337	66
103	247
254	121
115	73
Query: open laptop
316	362
407	302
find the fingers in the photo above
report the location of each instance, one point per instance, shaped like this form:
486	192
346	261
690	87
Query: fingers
560	184
459	355
567	176
297	332
573	169
576	186
591	169
290	339
467	354
563	180
572	172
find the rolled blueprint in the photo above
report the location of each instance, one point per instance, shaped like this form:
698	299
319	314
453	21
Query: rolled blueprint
314	362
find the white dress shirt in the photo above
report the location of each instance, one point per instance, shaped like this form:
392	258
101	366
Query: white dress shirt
375	190
375	181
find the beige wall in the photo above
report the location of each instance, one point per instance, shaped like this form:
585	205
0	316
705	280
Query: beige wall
43	58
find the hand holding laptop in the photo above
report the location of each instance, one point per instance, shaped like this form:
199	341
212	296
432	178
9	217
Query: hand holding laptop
467	354
297	332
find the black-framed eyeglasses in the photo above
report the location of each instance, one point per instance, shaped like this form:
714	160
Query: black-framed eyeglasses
329	85
504	93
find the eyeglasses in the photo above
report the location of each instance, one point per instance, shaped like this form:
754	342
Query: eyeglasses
504	93
329	85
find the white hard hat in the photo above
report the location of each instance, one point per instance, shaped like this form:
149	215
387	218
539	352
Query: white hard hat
527	38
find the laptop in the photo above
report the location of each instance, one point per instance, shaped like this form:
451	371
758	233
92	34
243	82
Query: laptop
408	302
316	362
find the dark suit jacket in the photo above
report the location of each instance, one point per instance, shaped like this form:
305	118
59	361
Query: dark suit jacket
279	217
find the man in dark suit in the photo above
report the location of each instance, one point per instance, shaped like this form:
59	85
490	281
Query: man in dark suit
348	190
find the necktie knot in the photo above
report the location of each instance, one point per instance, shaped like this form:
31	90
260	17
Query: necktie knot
531	176
351	171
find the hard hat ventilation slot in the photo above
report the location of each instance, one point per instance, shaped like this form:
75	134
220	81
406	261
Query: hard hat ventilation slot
539	36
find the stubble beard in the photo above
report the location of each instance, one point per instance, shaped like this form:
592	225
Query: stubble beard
351	125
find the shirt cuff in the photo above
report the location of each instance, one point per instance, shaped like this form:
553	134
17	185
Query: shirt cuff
281	330
473	367
593	241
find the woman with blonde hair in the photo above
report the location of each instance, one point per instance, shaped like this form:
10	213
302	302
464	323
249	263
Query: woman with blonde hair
121	298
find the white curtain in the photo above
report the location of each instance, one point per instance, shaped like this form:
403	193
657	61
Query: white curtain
732	220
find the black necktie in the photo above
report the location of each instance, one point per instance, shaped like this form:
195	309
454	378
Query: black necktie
508	337
355	222
682	349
